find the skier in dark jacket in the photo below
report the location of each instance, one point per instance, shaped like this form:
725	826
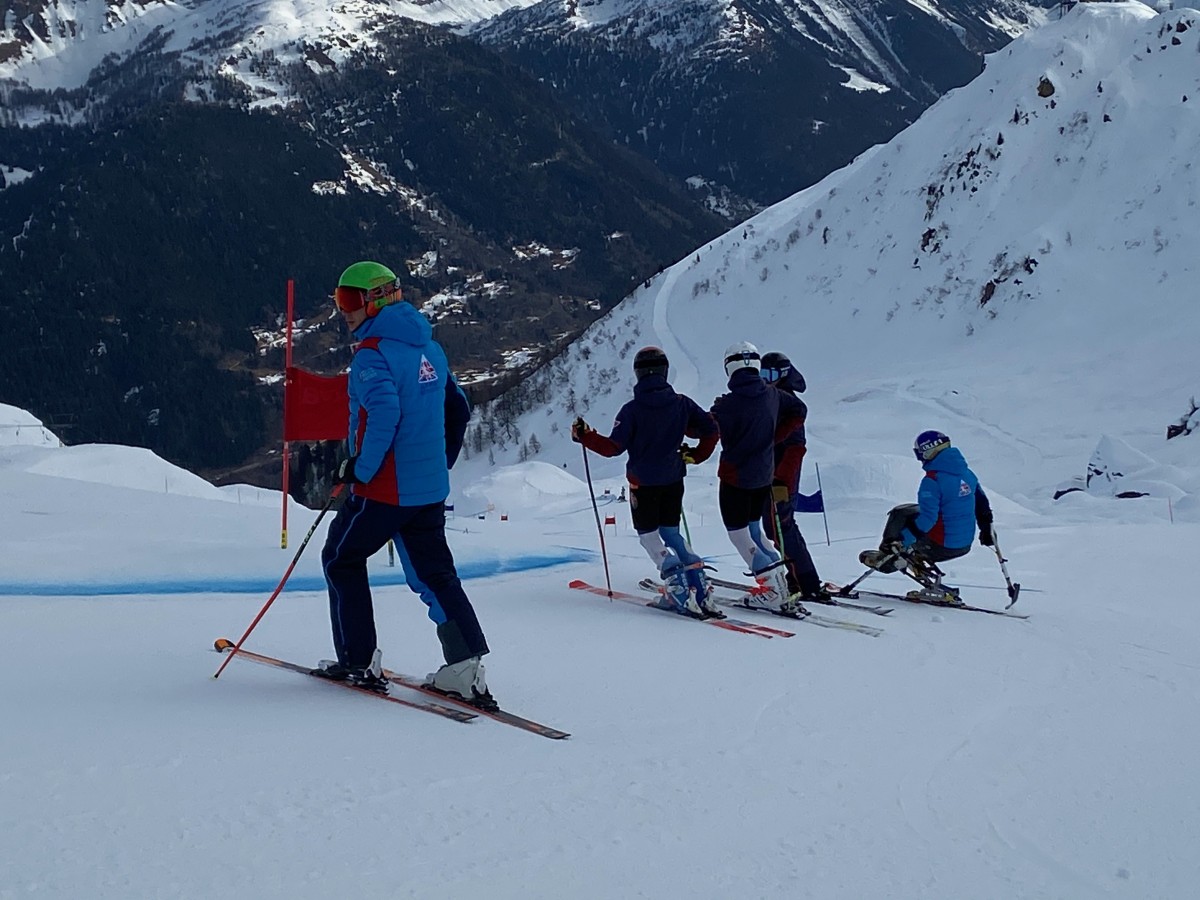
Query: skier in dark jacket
753	417
941	525
779	516
651	428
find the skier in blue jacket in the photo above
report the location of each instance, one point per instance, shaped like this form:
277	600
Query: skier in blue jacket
651	428
400	396
941	525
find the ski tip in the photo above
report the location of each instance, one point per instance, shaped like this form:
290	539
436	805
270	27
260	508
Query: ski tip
222	644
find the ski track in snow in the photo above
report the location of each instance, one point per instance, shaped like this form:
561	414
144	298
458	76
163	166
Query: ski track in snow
684	374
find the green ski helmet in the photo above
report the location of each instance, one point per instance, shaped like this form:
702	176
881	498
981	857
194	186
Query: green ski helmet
367	284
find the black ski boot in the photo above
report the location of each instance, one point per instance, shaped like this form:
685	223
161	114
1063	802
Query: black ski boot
369	677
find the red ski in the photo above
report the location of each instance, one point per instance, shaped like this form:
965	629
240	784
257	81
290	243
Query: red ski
499	715
224	645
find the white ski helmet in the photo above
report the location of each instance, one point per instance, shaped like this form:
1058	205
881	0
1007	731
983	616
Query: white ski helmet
742	355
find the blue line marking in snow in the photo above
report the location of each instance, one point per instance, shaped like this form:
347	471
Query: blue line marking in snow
381	576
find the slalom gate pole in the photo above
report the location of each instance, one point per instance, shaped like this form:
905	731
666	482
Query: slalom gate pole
333	495
824	517
1014	590
587	471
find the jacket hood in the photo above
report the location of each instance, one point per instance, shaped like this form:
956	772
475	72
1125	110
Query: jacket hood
747	383
398	322
793	382
949	460
653	390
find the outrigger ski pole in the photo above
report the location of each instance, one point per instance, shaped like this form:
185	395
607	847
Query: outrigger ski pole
1014	590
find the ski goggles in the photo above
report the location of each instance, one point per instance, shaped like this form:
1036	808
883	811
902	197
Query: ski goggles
772	374
352	299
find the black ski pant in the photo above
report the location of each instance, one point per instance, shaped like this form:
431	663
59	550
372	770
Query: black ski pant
899	525
360	529
802	572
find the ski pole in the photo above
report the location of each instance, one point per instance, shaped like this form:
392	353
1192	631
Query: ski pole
333	495
587	471
1014	590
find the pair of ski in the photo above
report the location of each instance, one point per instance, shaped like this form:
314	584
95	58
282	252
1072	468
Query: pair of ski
832	601
445	705
726	624
838	591
739	601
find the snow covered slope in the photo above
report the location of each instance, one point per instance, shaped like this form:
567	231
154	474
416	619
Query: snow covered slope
956	755
1009	246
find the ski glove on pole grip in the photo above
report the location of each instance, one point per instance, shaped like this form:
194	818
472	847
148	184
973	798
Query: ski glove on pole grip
578	428
345	472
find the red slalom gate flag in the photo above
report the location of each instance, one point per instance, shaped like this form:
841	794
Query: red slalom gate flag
315	407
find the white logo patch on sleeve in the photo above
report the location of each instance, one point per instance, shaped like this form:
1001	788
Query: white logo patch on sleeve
427	372
964	489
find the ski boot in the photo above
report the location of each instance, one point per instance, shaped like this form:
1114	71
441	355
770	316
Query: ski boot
819	595
704	596
884	560
771	590
369	676
464	680
677	596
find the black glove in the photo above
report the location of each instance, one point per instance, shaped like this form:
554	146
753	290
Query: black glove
986	538
578	427
345	473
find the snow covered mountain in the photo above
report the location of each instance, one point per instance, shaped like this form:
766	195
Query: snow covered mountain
331	133
751	100
1039	222
61	44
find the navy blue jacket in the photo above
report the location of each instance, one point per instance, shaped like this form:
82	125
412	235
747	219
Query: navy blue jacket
752	417
651	427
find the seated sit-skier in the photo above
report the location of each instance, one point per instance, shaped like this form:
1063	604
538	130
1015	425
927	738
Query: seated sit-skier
752	418
651	428
941	525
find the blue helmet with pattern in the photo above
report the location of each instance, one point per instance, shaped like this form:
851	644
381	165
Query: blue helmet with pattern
929	444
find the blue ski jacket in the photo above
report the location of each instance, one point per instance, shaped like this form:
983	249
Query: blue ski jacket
950	500
401	395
